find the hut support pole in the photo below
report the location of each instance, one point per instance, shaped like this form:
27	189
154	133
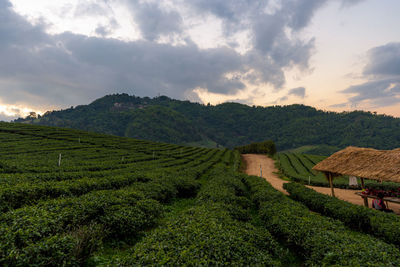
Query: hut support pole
365	201
331	183
365	198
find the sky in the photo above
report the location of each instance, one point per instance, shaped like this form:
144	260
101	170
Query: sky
337	55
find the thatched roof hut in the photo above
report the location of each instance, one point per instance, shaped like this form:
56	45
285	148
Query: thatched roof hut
381	165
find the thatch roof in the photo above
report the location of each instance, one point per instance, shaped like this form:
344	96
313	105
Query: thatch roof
363	162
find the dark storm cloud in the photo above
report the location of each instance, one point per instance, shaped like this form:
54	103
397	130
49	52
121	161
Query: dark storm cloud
299	91
383	73
69	69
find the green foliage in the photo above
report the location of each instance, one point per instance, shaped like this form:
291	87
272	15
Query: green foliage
120	212
382	225
298	167
226	188
61	249
323	150
211	233
322	241
107	189
161	123
266	147
205	236
22	194
228	124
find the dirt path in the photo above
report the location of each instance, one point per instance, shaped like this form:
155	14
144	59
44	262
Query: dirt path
254	161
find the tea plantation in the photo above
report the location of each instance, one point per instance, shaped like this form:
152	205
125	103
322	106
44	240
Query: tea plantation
73	198
298	167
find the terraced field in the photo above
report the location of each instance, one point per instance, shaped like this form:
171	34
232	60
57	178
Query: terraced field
72	198
298	167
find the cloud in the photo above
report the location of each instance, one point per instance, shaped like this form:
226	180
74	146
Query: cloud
348	3
273	48
10	112
92	8
384	92
383	74
5	4
300	12
384	60
67	69
299	91
341	105
5	117
282	99
154	21
108	29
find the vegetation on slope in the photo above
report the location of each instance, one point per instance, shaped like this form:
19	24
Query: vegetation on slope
228	124
266	147
385	226
298	167
58	210
322	241
107	201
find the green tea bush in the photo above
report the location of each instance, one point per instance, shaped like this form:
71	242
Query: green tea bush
225	187
265	147
16	196
383	225
117	210
71	249
205	235
320	240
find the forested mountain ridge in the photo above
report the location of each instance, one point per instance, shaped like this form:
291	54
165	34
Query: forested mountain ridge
228	124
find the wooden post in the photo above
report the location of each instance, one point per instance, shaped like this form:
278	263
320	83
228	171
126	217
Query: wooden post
331	183
365	201
362	183
363	187
59	160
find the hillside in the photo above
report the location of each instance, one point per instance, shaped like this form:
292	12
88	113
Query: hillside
73	198
228	125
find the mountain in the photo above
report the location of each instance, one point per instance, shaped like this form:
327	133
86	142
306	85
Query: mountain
228	124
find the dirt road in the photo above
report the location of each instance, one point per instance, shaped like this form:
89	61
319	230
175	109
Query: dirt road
254	161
